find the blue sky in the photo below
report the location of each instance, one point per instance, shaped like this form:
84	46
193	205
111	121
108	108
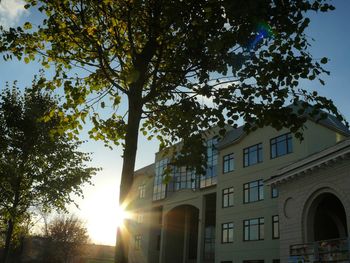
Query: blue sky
332	39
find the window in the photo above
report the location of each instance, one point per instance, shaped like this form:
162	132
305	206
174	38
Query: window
228	163
184	178
274	192
253	191
227	233
138	239
253	229
252	155
227	197
139	218
210	177
142	191
159	188
209	243
281	145
275	227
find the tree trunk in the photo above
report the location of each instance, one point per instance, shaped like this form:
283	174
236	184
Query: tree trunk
129	157
9	232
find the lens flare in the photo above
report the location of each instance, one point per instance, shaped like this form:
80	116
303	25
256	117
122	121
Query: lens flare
263	30
122	215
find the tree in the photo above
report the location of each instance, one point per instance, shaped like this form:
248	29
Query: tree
65	239
39	164
164	58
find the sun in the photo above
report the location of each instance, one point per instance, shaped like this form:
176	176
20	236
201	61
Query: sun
122	215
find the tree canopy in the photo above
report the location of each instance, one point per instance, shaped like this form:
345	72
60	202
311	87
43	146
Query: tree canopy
173	68
39	165
65	238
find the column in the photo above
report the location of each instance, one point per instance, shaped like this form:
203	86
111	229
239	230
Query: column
163	237
186	235
200	240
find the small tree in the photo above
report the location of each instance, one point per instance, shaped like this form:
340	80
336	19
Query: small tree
66	237
38	167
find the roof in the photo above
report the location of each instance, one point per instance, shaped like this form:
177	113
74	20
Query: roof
341	150
230	137
331	122
147	170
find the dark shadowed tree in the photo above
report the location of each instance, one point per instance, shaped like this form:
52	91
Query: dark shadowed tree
172	68
65	239
39	164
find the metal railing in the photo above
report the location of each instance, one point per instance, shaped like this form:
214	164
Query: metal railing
333	250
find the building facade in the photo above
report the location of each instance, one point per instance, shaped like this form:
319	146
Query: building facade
233	212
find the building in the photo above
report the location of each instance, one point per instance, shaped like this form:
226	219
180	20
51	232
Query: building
314	205
252	204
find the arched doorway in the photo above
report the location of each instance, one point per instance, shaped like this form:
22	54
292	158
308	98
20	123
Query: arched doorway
326	218
181	234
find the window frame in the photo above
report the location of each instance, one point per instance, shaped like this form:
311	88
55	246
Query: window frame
209	243
230	191
142	191
248	151
210	177
274	226
225	232
287	141
160	189
140	217
230	160
137	241
274	190
261	228
260	188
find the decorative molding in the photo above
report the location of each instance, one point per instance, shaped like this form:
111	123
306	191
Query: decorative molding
327	157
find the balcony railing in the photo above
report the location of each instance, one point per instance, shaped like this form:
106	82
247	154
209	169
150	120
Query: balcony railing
334	250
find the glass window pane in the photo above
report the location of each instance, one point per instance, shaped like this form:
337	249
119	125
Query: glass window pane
225	204
261	193
253	235
230	234
262	232
231	199
246	233
281	149
253	196
246	196
252	159
254	184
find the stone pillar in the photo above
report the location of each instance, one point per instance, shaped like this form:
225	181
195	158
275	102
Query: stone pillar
186	235
163	237
201	221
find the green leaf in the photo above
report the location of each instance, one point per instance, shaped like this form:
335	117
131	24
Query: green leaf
27	26
133	76
324	60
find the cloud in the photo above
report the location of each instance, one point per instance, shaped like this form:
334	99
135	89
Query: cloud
11	11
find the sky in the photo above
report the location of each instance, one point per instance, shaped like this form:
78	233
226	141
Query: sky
331	35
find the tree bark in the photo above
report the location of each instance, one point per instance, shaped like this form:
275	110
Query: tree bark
129	157
9	232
